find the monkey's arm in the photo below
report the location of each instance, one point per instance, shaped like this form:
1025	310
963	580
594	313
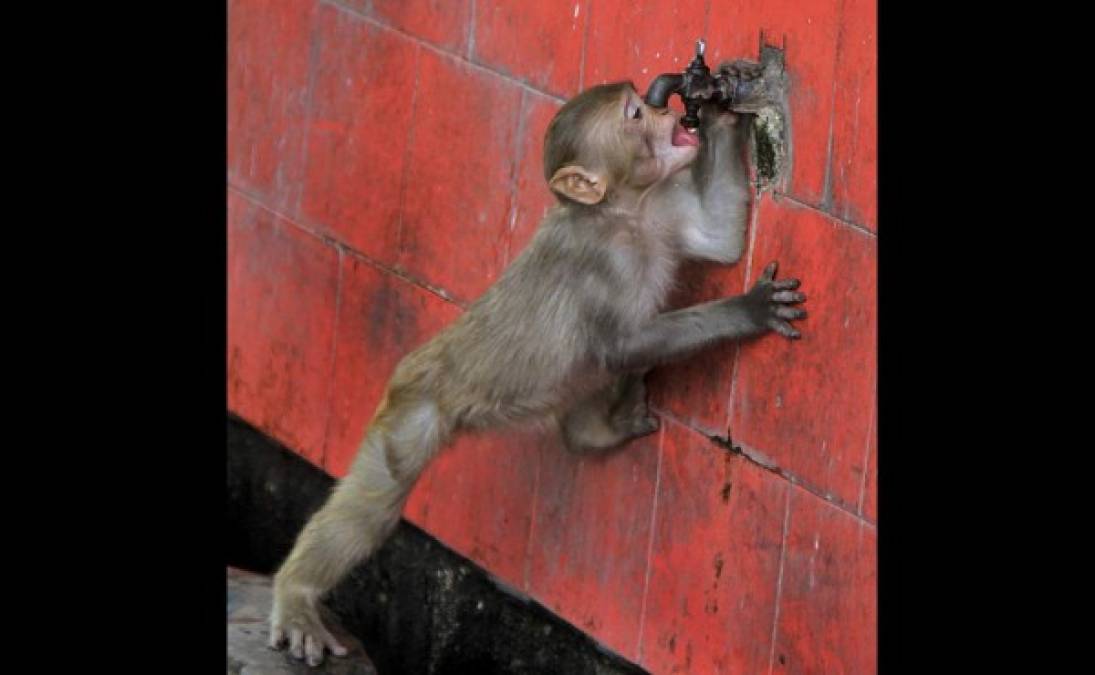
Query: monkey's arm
674	335
715	229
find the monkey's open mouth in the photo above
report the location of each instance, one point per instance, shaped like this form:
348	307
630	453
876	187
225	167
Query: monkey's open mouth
681	136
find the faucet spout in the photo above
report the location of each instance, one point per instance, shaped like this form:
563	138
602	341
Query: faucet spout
663	86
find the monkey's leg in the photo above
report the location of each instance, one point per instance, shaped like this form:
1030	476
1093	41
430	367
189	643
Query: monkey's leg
359	515
610	417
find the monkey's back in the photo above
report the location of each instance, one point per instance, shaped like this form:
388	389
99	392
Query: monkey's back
533	343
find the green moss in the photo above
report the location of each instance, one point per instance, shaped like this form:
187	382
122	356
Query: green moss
768	143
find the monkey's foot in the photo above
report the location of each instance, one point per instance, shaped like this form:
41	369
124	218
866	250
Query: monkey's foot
642	425
250	597
631	414
295	619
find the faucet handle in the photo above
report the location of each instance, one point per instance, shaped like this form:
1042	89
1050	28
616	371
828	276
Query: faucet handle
701	47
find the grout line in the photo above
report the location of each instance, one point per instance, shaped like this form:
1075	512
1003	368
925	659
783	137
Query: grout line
532	517
471	32
407	157
334	356
754	216
827	181
760	459
827	197
831	216
779	579
331	241
515	170
826	204
309	101
402	274
867	451
585	42
438	50
650	545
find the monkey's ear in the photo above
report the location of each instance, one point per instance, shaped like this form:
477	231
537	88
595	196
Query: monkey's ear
577	183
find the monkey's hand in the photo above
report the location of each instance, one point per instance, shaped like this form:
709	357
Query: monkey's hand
754	85
769	303
740	69
295	618
714	116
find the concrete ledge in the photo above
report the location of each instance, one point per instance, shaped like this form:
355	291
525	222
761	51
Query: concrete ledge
249	598
416	606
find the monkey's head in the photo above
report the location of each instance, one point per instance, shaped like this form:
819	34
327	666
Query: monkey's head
607	139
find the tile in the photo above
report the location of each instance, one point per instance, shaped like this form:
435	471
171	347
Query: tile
855	117
714	563
443	23
358	132
267	86
697	390
282	289
459	181
637	41
811	28
807	403
382	318
828	607
533	196
590	537
537	42
482	503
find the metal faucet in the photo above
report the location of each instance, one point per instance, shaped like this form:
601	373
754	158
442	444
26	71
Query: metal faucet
696	86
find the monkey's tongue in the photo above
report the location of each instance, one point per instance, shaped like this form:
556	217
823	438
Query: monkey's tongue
682	137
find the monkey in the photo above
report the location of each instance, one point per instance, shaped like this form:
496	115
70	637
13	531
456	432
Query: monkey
564	337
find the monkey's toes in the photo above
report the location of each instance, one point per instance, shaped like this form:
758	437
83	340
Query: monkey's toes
646	424
308	638
311	645
277	638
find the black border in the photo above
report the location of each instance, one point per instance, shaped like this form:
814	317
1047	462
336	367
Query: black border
158	86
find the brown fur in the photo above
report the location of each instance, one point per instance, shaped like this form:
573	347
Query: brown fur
577	317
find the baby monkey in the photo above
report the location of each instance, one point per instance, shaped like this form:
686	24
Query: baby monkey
567	333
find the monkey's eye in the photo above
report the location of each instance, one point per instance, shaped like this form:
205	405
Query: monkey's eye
638	114
633	110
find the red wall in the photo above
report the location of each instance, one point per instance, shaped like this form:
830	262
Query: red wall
384	166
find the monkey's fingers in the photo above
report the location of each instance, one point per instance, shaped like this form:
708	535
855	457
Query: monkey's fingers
644	425
788	296
784	312
277	637
786	284
329	641
296	643
784	329
769	271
